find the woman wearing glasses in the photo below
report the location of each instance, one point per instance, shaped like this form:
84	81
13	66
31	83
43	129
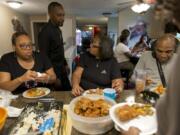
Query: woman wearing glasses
23	68
97	68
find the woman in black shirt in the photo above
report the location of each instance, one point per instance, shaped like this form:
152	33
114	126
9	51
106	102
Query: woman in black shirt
23	67
97	68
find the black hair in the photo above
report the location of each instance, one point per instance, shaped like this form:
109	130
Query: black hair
125	32
171	28
16	35
86	43
124	35
105	50
53	5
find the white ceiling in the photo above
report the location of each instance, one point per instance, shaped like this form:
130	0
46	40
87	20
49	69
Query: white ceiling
79	8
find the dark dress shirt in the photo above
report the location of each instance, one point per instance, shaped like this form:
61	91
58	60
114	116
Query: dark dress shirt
50	43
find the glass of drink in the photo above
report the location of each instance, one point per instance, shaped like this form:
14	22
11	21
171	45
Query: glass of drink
140	81
30	84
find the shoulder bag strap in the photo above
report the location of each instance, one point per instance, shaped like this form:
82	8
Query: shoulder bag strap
161	73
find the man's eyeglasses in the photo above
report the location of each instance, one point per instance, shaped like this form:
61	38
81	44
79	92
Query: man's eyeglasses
25	46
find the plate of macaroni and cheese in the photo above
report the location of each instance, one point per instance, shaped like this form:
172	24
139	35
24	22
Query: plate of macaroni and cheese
36	92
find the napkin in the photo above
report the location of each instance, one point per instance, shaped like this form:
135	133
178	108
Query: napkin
13	111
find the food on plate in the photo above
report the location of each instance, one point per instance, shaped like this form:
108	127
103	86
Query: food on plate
92	108
159	89
35	92
129	112
149	81
95	91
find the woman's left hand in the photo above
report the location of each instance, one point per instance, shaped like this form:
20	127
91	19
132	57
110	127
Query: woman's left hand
118	85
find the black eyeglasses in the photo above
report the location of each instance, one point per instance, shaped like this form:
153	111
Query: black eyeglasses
25	46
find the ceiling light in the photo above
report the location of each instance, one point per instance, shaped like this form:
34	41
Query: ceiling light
14	4
140	7
90	28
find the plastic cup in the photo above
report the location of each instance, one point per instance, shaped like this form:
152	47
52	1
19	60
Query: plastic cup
140	85
110	93
140	81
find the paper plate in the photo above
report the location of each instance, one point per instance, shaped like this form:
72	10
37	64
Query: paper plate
36	92
93	92
147	124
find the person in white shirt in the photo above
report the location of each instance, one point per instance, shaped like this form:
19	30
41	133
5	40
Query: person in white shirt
122	52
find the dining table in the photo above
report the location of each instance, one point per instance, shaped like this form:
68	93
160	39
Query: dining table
65	97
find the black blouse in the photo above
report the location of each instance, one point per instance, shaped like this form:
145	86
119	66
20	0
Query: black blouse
98	73
9	63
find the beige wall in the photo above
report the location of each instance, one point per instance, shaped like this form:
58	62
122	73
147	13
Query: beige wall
128	18
68	29
6	27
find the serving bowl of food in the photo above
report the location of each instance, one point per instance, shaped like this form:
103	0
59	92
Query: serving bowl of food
90	114
3	116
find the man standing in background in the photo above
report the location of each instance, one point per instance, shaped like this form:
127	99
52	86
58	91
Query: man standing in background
50	42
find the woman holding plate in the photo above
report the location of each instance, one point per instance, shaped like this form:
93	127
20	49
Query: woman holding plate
23	68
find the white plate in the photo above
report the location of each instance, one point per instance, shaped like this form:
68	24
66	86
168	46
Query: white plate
147	124
46	90
87	92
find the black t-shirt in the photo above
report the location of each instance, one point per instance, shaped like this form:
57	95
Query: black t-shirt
97	73
9	63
